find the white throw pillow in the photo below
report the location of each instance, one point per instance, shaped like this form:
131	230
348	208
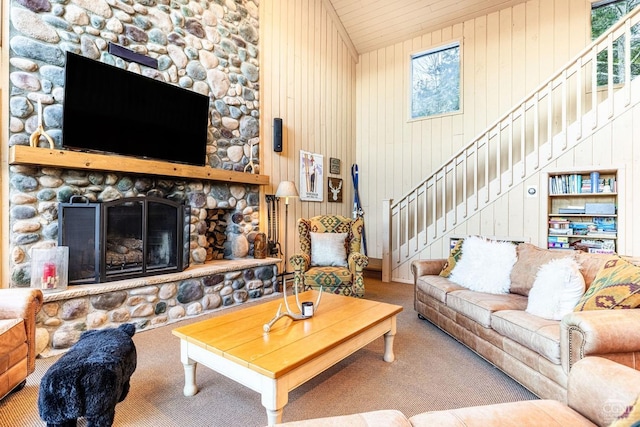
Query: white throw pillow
328	249
557	289
485	265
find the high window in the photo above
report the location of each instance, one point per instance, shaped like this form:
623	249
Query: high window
604	14
435	81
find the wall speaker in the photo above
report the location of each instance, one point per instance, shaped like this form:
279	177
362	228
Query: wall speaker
277	135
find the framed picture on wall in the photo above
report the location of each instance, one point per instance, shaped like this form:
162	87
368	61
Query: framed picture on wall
334	192
311	177
334	165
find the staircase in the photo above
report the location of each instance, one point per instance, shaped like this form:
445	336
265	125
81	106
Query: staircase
571	105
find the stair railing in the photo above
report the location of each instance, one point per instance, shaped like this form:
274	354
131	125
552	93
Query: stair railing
551	119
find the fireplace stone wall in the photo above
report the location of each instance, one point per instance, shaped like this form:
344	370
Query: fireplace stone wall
210	47
35	194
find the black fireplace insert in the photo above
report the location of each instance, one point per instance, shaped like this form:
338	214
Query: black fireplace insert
124	238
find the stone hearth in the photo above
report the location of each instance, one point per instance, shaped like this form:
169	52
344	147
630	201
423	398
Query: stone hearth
152	301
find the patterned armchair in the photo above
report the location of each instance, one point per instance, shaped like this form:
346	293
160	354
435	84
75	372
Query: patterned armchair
344	279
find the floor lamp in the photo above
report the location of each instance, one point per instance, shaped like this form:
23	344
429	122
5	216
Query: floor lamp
286	189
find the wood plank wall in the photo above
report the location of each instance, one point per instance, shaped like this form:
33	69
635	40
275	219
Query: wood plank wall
505	55
307	79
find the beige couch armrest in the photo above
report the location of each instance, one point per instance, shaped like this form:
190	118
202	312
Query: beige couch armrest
601	389
23	303
613	334
426	267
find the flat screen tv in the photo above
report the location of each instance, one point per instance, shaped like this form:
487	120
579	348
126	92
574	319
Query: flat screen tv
110	110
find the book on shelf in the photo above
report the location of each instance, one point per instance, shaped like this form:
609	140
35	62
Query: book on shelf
577	184
558	245
561	231
571	210
601	235
601	251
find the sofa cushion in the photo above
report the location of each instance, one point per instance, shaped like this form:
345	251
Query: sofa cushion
485	265
530	259
454	257
528	413
383	418
437	287
479	306
556	290
534	332
616	286
590	265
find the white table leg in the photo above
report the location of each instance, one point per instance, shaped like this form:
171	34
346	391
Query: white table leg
388	342
274	416
274	397
190	387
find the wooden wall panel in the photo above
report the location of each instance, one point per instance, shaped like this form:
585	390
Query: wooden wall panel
307	78
505	55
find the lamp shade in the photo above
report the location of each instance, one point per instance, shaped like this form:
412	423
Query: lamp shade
287	189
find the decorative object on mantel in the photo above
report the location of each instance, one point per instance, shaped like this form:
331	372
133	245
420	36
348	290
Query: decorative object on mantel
286	189
306	309
335	188
34	139
49	268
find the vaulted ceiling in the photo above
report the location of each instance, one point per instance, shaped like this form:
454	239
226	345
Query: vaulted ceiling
372	24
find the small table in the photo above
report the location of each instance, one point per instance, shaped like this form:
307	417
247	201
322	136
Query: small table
277	362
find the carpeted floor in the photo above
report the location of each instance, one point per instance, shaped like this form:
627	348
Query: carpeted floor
432	371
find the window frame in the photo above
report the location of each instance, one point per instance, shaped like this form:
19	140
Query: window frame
431	50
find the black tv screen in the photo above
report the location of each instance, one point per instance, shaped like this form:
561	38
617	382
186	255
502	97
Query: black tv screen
111	110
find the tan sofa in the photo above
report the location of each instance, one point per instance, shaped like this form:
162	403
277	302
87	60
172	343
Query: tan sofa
599	391
18	310
536	352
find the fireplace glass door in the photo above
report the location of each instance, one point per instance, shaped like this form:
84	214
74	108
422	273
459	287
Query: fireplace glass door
125	238
124	246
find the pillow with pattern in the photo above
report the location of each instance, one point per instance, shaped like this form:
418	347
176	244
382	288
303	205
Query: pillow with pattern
630	417
616	286
454	257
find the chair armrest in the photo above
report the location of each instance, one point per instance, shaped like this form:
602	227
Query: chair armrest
613	334
357	261
23	303
601	389
427	267
300	262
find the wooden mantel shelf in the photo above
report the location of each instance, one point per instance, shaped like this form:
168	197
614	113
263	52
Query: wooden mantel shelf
26	155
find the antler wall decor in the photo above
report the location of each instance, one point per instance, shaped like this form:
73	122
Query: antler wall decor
293	316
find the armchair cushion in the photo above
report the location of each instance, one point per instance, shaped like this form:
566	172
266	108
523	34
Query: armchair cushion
328	249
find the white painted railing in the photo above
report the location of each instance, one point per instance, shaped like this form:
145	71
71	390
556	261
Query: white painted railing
533	133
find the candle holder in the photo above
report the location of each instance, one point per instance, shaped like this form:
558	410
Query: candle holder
49	268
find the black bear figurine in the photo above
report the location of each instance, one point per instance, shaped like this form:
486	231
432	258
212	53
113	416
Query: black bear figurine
90	379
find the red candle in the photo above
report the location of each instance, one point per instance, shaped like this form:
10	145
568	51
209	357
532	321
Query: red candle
49	271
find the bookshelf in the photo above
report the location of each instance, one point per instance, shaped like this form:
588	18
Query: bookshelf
579	216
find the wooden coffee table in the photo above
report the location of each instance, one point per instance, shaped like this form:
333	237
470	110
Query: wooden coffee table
276	362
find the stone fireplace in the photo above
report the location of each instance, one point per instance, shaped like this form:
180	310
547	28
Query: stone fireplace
209	47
